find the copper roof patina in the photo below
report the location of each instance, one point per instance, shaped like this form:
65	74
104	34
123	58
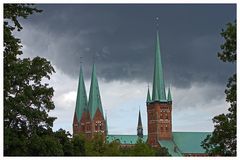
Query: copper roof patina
158	91
148	96
181	143
81	103
94	102
169	97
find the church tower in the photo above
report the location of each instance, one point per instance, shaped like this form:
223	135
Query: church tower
88	116
139	126
95	106
159	107
81	105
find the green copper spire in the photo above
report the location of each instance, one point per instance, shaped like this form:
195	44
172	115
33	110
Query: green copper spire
148	96
94	95
158	92
81	103
169	98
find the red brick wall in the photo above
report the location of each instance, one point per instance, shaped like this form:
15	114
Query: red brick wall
75	124
99	124
88	127
159	122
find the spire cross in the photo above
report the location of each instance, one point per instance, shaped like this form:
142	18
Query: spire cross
157	22
81	60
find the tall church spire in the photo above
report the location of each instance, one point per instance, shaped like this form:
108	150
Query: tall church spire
81	103
158	92
94	102
139	126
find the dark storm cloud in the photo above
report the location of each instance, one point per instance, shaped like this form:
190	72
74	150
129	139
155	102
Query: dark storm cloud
121	38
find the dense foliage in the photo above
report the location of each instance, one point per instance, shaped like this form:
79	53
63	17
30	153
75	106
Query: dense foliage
100	147
26	100
223	140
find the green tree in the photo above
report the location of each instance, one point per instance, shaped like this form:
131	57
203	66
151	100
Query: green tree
95	146
223	140
26	100
112	149
44	145
79	145
64	139
142	149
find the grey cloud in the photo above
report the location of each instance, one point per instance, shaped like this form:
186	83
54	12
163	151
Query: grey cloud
122	40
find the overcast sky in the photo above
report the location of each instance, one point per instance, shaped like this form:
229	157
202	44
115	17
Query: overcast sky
120	39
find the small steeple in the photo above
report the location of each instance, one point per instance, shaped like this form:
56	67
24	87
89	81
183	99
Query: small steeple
94	102
81	103
158	92
169	98
139	126
148	96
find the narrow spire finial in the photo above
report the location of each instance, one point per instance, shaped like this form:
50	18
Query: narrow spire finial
81	60
157	22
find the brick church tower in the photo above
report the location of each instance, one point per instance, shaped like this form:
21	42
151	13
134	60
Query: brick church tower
88	116
159	107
